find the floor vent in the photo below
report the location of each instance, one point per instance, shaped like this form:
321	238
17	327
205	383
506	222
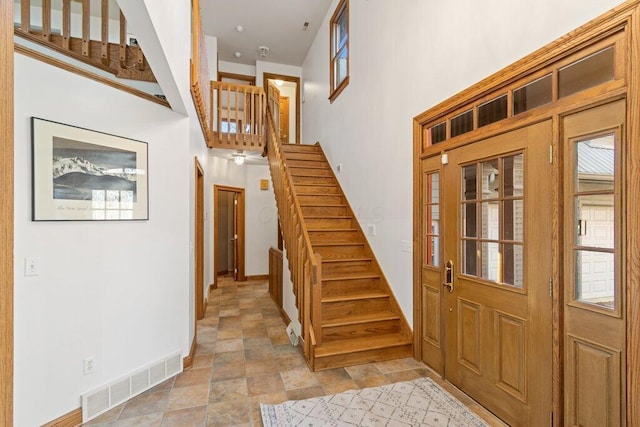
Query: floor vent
107	396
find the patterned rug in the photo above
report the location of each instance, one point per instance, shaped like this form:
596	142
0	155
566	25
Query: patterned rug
419	402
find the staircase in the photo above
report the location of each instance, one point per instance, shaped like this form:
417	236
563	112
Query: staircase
360	320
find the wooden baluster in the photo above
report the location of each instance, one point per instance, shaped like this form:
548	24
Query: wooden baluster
46	20
86	27
237	115
253	113
106	56
25	15
140	59
212	97
228	114
66	24
123	41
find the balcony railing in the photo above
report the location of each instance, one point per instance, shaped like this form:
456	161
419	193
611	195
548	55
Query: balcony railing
238	113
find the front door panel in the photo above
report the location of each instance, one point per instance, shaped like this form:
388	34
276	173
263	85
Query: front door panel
497	252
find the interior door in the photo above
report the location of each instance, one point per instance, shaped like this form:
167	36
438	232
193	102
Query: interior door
594	300
234	236
497	301
284	119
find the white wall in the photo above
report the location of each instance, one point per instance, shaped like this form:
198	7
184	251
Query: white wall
261	221
404	59
114	290
231	67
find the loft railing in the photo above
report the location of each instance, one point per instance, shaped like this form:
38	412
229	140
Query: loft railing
239	116
85	35
200	78
305	266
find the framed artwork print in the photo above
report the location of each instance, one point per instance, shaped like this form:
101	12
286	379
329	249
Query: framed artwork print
85	175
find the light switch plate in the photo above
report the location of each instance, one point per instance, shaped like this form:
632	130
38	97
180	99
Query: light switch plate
32	266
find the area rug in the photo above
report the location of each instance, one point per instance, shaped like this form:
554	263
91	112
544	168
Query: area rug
420	402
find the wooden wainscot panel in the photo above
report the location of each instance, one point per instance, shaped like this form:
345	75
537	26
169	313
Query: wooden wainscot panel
469	335
593	384
511	355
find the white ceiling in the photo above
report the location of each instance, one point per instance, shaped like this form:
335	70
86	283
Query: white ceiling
277	24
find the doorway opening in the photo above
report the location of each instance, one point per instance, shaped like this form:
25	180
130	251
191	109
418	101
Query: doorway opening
199	241
289	88
228	233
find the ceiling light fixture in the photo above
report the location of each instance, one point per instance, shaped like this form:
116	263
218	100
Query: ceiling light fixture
239	28
238	158
263	51
237	54
279	82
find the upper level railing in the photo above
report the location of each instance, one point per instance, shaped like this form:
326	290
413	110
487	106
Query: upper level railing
238	113
305	265
200	78
97	37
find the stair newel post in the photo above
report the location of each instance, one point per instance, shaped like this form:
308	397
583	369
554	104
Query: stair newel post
316	304
306	320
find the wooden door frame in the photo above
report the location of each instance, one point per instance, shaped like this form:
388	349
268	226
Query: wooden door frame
241	231
6	212
270	76
624	18
198	264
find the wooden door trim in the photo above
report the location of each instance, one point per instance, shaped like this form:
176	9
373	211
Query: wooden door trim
6	213
296	80
251	80
622	19
198	265
241	231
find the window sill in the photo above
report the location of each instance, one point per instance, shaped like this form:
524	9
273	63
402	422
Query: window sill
334	95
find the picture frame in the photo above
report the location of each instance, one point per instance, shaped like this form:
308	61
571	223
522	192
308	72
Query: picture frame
80	174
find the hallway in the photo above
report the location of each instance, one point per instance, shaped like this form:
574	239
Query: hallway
244	358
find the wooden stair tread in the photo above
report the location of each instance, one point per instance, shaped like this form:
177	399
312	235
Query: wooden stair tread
349	276
339	244
316	185
322	205
355	345
355	296
327	217
361	318
359	259
331	230
310	166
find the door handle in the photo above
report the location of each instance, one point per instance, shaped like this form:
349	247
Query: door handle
448	276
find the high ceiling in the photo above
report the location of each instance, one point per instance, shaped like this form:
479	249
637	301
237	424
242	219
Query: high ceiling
277	24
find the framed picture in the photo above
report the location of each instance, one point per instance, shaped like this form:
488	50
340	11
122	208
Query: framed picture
84	175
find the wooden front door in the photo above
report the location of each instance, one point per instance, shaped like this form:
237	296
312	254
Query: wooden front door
497	268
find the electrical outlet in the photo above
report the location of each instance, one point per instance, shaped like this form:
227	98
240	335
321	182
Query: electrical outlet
405	246
89	364
32	266
371	229
339	167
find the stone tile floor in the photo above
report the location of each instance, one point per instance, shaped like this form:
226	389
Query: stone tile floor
244	358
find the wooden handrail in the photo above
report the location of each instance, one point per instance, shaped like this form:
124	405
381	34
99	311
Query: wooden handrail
200	78
238	112
305	265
